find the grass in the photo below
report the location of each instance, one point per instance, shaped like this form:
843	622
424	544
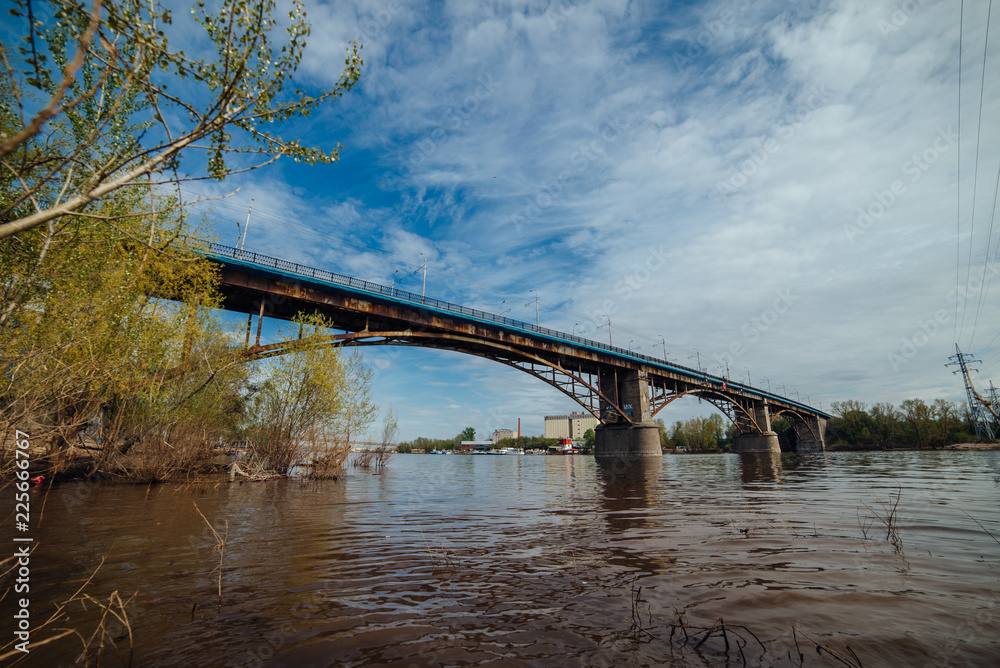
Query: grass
220	547
735	637
113	627
885	512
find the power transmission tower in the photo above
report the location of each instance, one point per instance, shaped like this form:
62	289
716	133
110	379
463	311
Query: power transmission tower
982	411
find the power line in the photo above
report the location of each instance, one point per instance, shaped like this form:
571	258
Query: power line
975	174
987	275
958	188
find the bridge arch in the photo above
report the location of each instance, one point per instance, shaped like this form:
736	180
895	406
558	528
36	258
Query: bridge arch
807	431
740	415
579	386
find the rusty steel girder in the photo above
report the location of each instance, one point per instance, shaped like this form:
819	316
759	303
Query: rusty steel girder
373	317
580	387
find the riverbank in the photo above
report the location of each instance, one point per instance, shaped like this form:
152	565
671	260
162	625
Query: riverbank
967	446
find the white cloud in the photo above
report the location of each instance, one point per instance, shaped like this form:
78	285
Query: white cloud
527	147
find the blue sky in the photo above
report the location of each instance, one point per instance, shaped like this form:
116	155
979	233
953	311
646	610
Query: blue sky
764	184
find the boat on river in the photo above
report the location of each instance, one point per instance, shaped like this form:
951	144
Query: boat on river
565	447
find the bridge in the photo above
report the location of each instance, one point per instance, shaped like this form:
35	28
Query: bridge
624	390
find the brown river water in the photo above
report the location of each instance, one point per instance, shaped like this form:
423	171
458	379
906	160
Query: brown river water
536	561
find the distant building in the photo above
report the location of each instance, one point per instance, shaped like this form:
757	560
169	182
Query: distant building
469	446
501	434
570	426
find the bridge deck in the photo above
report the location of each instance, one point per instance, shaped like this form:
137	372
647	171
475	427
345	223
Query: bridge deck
321	279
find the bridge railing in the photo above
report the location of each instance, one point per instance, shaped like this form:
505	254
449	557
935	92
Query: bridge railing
404	295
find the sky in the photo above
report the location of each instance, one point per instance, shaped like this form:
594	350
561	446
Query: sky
798	194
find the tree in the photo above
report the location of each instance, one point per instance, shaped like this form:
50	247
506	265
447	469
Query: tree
390	428
300	401
700	433
918	419
855	424
118	106
589	438
358	409
468	434
85	346
886	425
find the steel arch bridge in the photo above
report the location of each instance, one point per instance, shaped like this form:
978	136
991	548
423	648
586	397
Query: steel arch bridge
621	388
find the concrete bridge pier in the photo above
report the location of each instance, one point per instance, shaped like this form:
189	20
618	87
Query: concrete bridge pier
616	438
766	440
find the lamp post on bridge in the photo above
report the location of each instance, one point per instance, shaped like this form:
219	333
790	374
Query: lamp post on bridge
423	290
662	338
573	333
537	323
393	288
502	311
247	225
698	355
630	345
608	325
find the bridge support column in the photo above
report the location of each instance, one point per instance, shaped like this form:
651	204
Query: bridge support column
616	438
763	442
762	415
810	443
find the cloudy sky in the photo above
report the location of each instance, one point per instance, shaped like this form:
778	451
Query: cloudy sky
801	190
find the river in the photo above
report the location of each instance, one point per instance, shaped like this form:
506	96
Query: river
535	561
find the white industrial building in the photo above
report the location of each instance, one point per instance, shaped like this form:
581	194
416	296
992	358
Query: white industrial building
570	426
501	434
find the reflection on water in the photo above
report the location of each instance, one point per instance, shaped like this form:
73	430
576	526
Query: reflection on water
530	561
760	467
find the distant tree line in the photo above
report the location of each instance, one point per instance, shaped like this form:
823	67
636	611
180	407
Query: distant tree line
701	434
423	444
914	424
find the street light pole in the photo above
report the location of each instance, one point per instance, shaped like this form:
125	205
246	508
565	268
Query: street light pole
610	339
242	241
664	347
423	290
537	323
